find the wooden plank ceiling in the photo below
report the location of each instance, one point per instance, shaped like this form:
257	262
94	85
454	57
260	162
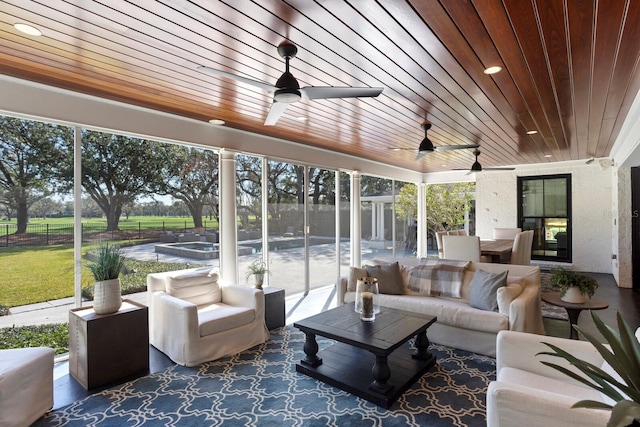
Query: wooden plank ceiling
570	69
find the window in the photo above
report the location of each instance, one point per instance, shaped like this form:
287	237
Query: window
544	205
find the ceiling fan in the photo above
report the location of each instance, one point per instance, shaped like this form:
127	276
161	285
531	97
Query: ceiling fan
287	90
426	146
477	167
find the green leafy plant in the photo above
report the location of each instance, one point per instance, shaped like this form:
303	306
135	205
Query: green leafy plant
257	267
108	262
623	356
4	310
563	279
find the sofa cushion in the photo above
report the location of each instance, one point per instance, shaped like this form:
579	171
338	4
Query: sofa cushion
547	384
355	273
438	278
215	318
389	278
484	289
198	286
506	294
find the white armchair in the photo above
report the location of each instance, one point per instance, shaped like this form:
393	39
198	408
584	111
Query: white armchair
531	394
193	318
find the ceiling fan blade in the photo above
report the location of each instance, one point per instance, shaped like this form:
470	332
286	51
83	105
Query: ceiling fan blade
324	92
420	154
498	169
276	110
455	147
269	88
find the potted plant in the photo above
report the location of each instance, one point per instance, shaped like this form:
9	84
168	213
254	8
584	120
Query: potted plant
257	269
106	266
623	355
573	286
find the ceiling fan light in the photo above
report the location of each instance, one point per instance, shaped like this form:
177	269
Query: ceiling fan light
476	167
287	95
426	145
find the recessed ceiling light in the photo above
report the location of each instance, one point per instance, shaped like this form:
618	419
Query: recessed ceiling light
395	149
493	69
216	122
547	155
301	119
27	29
532	132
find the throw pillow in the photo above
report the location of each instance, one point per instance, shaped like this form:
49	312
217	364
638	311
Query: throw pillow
197	286
389	278
438	277
354	274
484	289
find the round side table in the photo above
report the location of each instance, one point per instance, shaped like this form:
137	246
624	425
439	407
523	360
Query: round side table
573	309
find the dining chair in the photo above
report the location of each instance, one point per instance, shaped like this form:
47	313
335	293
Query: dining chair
506	233
463	248
439	235
521	252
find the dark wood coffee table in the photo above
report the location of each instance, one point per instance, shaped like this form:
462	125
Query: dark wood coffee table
368	358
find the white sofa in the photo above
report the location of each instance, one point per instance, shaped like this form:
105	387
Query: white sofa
528	393
459	325
194	317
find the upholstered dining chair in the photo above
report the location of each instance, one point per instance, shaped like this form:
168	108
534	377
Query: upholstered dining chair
521	252
439	235
463	248
506	233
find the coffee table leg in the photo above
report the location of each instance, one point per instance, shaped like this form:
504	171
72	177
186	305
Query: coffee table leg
381	373
311	350
422	344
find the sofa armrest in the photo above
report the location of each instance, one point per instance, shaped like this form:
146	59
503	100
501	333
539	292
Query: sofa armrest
515	404
243	296
173	319
525	311
341	289
519	349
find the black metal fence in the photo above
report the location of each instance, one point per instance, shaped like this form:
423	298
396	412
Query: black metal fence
55	234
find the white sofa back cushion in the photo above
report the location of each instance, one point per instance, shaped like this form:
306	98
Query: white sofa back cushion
198	286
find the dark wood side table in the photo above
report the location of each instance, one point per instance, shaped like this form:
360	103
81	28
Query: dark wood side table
107	347
274	315
573	309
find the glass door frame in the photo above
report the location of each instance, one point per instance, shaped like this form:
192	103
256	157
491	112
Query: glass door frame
540	221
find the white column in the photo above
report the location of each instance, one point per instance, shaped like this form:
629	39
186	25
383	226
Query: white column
381	221
228	215
356	229
374	223
422	220
77	216
337	230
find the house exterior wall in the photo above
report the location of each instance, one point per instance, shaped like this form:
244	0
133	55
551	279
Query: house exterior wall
622	267
592	210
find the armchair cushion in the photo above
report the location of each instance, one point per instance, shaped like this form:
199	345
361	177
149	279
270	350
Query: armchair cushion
216	318
198	286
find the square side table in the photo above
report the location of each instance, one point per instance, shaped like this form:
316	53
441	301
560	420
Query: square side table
274	315
105	348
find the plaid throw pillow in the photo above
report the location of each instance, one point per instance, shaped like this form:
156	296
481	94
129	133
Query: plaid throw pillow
438	277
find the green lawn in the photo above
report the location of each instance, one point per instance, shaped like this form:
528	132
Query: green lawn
143	222
31	274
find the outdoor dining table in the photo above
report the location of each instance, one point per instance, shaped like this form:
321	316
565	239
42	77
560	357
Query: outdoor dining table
497	250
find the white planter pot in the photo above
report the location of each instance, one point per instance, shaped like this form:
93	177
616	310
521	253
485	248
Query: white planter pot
107	296
573	295
259	280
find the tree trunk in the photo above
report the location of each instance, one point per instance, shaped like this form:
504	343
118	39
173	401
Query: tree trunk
22	217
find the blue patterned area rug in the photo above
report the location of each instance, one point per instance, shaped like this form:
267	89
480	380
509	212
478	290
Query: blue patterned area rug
260	387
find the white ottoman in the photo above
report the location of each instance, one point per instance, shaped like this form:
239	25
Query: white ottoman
26	385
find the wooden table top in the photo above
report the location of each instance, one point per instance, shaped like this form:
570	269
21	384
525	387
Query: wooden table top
588	304
388	331
496	247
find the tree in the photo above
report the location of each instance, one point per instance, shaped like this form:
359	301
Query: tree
117	169
31	154
447	204
190	175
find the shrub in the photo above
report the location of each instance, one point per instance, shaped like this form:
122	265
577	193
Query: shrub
54	335
4	310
